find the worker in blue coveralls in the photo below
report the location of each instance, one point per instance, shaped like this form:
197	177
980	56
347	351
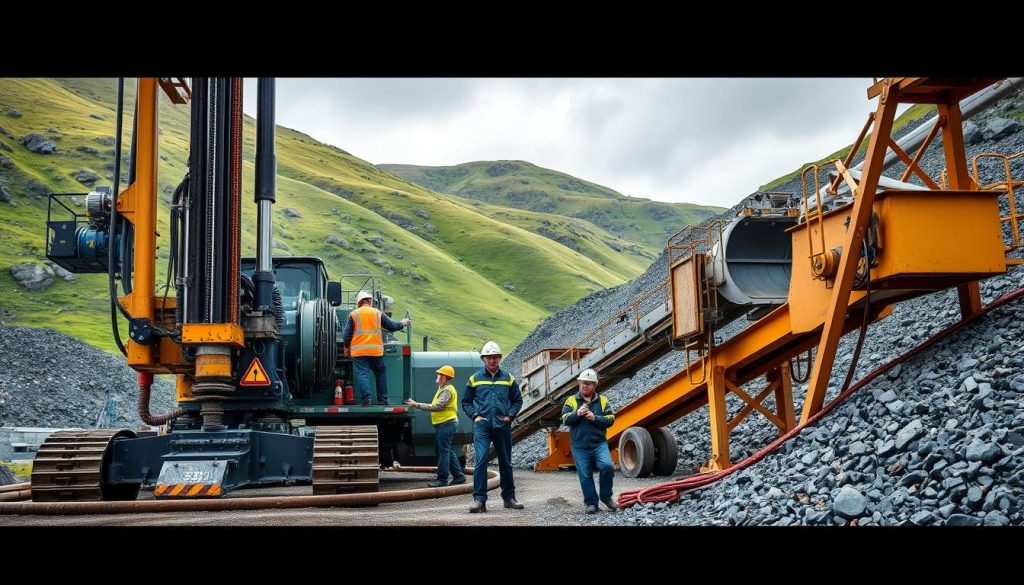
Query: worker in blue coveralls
588	417
492	399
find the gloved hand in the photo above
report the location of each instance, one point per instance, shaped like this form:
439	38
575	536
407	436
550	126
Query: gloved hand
412	403
583	410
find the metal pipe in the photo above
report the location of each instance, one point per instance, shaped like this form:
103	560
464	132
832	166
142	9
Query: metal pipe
264	235
13	487
265	192
969	106
16	496
259	503
266	171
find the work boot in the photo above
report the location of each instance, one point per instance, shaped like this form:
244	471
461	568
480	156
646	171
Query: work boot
459	481
478	506
437	483
512	503
590	509
610	504
364	403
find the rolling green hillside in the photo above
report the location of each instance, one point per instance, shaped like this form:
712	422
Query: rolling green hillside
521	185
468	271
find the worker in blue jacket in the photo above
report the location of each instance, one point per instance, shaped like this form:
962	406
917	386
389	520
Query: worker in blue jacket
588	416
492	399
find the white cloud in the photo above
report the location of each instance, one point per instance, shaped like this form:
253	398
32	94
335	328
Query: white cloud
706	141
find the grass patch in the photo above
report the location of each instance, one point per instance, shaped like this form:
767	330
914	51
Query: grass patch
521	185
22	469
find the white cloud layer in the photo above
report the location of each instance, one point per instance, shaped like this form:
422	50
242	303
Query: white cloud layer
707	141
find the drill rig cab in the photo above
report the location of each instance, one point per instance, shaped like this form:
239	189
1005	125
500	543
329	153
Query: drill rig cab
254	342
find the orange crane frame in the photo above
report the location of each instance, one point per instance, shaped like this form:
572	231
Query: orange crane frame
822	304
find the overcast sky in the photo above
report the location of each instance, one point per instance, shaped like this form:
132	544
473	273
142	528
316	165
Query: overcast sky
707	141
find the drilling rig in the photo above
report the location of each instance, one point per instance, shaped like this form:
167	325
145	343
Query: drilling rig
265	396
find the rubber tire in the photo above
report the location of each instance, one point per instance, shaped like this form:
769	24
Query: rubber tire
667	452
636	452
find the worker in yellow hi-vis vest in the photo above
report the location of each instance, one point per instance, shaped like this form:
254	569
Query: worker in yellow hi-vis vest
364	341
444	414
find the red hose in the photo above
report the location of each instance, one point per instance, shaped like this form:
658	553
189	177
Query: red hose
670	491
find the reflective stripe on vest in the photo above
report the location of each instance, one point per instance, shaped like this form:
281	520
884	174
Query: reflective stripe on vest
477	383
571	402
366	332
449	412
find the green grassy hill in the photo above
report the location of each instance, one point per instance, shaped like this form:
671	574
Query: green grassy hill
468	271
521	185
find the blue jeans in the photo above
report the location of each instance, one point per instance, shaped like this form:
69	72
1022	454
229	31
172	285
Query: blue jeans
446	458
586	460
362	366
483	435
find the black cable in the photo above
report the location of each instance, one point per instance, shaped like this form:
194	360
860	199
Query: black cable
112	290
128	239
117	333
806	375
864	323
172	259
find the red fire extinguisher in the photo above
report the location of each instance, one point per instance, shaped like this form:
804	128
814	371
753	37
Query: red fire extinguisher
339	396
349	399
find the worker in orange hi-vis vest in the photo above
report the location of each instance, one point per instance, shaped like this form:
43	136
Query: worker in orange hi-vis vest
363	340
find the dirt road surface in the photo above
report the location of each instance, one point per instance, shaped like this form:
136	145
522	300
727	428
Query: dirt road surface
550	499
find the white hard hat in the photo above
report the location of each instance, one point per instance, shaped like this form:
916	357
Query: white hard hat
363	295
490	348
588	375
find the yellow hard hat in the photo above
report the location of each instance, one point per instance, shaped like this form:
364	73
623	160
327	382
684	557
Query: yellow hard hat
447	371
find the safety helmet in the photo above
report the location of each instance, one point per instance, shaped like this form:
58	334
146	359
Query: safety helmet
490	348
446	370
588	375
362	296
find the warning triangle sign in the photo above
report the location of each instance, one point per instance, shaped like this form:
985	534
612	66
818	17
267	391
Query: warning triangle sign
255	375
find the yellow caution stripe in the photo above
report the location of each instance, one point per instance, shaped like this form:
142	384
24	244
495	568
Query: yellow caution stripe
188	490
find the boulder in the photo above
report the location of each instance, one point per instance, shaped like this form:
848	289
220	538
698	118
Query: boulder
38	144
32	276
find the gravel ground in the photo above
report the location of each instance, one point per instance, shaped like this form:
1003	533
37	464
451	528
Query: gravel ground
51	379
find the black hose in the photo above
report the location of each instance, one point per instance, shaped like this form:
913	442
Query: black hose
864	323
128	239
172	257
112	290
